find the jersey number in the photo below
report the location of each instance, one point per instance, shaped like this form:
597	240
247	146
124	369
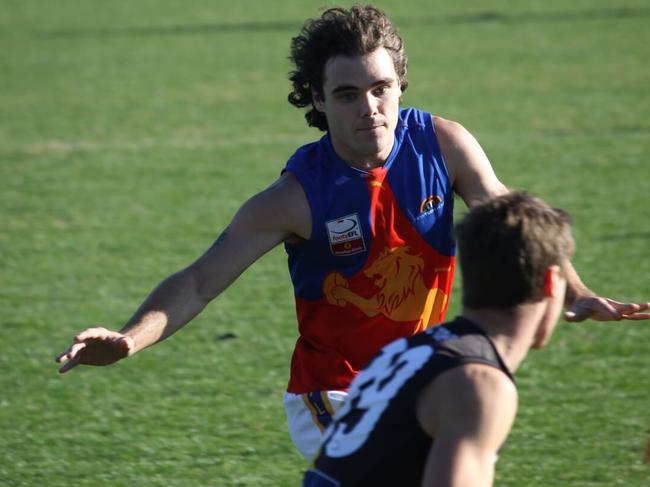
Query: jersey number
370	394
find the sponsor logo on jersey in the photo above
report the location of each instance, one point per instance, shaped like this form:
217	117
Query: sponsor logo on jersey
429	205
345	235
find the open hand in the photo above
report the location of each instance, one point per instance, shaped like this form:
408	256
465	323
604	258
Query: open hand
96	346
605	309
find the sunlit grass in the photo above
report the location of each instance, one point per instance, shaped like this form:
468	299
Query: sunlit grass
131	132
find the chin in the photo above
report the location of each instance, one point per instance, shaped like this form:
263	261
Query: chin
369	150
377	146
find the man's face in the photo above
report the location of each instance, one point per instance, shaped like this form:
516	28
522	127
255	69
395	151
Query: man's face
361	102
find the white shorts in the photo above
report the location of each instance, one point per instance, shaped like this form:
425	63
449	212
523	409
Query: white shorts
308	415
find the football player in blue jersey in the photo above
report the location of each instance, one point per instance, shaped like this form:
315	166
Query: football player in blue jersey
435	408
350	73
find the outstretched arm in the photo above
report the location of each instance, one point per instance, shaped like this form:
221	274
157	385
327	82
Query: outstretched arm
581	303
474	180
276	214
468	411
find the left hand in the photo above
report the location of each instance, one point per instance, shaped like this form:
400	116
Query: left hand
605	309
96	346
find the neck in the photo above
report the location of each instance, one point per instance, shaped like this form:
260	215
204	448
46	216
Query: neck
361	160
366	165
512	330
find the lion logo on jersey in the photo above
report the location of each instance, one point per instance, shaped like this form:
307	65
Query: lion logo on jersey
401	293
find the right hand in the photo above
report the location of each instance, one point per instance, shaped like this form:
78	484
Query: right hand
96	346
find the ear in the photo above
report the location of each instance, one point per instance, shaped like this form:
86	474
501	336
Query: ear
317	100
551	279
554	289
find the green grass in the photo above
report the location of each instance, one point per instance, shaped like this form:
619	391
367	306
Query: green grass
130	132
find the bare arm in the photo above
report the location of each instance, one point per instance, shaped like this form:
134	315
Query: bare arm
474	180
276	214
469	168
469	412
264	221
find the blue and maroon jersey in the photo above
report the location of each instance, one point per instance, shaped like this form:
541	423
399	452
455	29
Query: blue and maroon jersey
380	260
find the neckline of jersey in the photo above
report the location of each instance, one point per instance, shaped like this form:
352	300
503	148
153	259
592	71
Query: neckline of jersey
384	168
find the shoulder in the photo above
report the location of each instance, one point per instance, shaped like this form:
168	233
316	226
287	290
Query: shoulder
473	410
469	168
286	193
307	158
456	144
480	381
474	384
452	136
282	205
308	168
414	117
470	396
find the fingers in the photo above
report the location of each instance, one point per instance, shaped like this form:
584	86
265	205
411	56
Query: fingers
70	353
628	306
84	348
594	308
631	311
69	365
96	333
70	357
604	309
637	316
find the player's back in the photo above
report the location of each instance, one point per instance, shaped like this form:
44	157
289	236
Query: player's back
376	438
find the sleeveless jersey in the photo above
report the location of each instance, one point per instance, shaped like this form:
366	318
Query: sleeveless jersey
380	260
376	438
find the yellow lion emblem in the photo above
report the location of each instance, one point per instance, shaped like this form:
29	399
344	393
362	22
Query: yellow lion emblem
402	294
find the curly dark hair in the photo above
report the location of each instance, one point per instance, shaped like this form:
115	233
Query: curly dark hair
339	32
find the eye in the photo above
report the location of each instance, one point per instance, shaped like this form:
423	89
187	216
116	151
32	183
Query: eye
347	96
381	90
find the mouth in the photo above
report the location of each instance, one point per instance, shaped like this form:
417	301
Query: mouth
370	128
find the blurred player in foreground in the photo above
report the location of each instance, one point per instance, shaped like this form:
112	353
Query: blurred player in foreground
434	409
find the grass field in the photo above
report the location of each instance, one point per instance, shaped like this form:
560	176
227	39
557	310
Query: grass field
131	131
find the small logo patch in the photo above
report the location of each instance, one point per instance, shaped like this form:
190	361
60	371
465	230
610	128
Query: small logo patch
345	235
431	203
441	334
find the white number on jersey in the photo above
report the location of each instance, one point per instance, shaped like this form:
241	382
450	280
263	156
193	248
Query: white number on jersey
370	395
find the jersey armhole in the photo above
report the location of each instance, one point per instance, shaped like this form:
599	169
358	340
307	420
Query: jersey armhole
432	140
310	191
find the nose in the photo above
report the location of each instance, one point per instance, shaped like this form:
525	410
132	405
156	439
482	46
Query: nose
369	105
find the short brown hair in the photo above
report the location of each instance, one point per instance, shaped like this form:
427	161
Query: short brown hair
339	32
505	245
